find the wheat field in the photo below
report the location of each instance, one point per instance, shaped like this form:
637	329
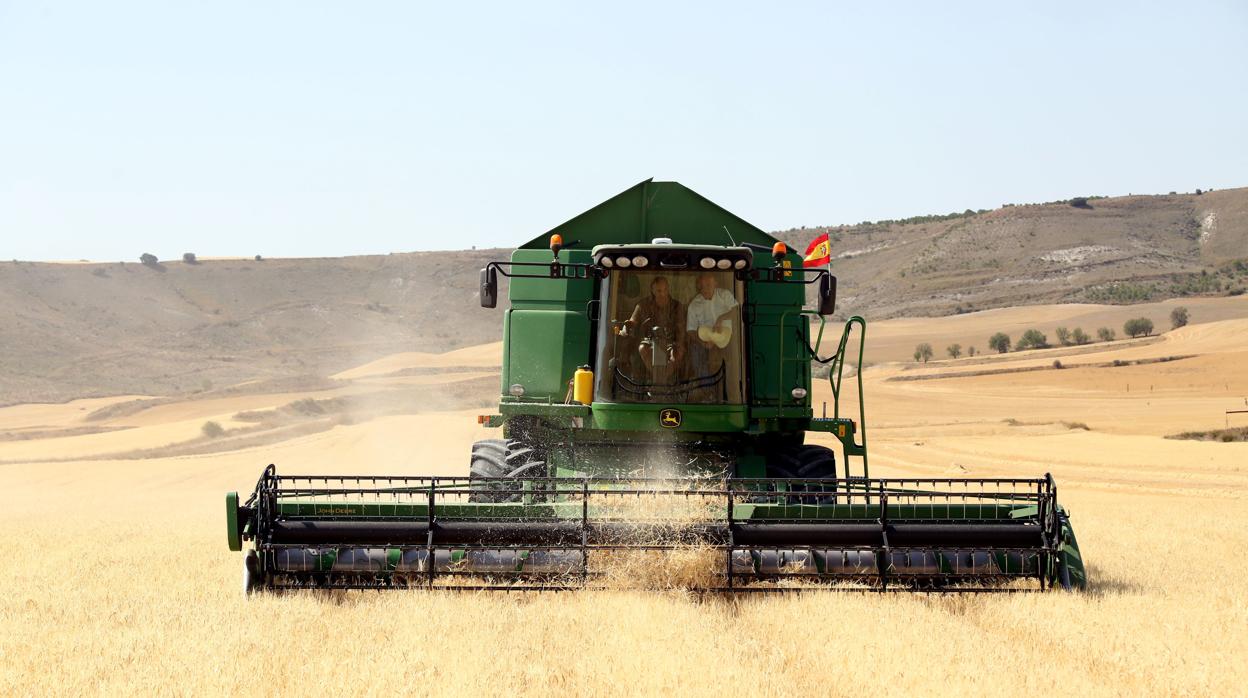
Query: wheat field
118	580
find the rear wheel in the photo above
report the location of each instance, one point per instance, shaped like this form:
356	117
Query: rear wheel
502	460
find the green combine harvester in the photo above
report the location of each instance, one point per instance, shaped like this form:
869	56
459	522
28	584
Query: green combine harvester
656	396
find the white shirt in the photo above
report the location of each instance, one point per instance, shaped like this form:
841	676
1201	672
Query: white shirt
704	311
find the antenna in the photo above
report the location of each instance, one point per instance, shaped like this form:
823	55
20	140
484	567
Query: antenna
734	242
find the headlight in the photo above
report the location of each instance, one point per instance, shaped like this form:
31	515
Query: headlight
516	390
724	263
739	264
799	393
606	262
707	263
640	261
623	262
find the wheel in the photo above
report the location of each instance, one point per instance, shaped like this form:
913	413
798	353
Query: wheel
807	461
252	577
804	462
510	460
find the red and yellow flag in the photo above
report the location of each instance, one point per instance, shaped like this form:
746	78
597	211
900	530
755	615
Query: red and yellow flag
819	252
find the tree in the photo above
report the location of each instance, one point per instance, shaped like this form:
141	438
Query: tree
148	259
189	258
1105	334
1178	317
1136	327
212	430
1033	339
923	352
955	350
1063	336
1079	336
971	352
999	342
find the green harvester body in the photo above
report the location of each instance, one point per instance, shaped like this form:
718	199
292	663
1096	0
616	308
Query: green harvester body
692	336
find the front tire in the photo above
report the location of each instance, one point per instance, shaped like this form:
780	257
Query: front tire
805	462
501	460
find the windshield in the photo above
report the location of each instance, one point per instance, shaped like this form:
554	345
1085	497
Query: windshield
670	337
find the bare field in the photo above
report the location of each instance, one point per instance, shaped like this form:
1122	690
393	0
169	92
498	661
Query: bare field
119	582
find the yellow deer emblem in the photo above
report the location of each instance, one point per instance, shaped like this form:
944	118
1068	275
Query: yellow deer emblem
669	418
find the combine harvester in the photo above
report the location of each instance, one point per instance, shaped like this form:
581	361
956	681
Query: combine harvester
656	396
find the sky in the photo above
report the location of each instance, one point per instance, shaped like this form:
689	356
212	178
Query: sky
301	128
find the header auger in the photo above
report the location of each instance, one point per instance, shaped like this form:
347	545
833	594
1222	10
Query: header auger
656	396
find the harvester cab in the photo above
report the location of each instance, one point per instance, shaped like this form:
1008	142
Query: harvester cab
656	393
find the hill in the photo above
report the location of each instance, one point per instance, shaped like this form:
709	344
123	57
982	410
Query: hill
100	329
86	330
1097	250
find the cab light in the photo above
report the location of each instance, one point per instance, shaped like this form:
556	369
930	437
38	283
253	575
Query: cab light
623	262
778	251
707	263
640	261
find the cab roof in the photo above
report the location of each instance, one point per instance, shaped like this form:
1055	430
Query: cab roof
651	210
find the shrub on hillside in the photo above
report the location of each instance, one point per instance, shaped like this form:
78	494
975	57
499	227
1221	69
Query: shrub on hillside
1078	336
1105	334
212	430
189	258
1178	317
999	342
1032	339
148	259
1138	327
971	352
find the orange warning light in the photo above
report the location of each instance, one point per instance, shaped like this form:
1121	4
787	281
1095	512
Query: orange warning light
779	250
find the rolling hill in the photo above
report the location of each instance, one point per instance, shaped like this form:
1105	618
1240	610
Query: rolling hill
100	329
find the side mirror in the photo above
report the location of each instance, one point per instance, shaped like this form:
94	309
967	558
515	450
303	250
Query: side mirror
489	287
827	294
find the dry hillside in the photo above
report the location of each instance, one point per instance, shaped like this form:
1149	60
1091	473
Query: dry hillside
1109	250
81	330
87	330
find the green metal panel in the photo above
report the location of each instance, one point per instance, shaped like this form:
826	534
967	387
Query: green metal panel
547	330
696	418
651	210
544	349
777	331
544	291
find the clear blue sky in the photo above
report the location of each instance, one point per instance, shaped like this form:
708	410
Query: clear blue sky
306	128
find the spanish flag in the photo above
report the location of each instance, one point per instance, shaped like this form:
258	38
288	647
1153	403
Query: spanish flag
819	252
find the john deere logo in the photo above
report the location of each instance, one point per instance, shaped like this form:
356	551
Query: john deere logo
669	418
